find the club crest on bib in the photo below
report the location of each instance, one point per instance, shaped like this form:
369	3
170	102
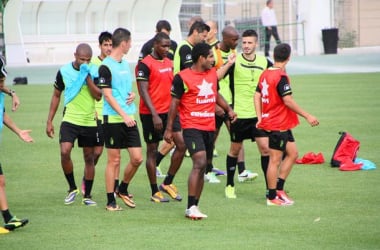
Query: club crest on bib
206	94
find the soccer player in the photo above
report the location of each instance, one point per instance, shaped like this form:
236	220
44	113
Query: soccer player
119	124
182	57
154	80
277	114
197	34
11	222
212	35
245	76
75	79
161	26
105	46
230	39
194	95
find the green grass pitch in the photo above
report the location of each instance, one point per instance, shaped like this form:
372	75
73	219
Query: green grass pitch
333	209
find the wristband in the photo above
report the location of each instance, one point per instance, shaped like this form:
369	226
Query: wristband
11	92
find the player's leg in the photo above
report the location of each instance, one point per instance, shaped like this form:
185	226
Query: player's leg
164	149
10	222
277	145
112	138
67	135
231	161
113	162
286	167
263	148
89	174
194	141
175	163
88	140
151	150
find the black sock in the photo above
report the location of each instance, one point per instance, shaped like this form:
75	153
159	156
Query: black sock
159	158
241	166
71	181
116	185
6	215
196	202
110	198
154	188
168	179
231	167
280	184
272	194
123	188
190	201
88	188
209	168
264	167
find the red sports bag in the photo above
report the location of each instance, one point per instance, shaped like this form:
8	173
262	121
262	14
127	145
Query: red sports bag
345	150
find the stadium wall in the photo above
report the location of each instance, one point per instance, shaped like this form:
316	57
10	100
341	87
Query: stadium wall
47	31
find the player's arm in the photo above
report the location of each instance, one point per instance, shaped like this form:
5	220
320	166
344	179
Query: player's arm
59	86
285	91
142	78
95	92
185	57
105	78
15	99
224	105
258	104
222	71
178	90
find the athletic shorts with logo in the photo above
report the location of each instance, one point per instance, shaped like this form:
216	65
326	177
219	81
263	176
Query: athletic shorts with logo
87	136
243	129
198	140
151	135
119	135
278	139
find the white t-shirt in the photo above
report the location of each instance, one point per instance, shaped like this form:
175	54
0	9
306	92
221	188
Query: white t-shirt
268	17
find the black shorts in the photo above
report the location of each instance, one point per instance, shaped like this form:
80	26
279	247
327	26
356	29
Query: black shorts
1	170
199	140
278	139
118	136
100	142
243	129
219	120
152	136
87	136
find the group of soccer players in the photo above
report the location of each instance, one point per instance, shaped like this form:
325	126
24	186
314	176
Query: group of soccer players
179	85
187	91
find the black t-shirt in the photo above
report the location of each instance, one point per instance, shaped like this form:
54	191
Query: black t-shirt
148	47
